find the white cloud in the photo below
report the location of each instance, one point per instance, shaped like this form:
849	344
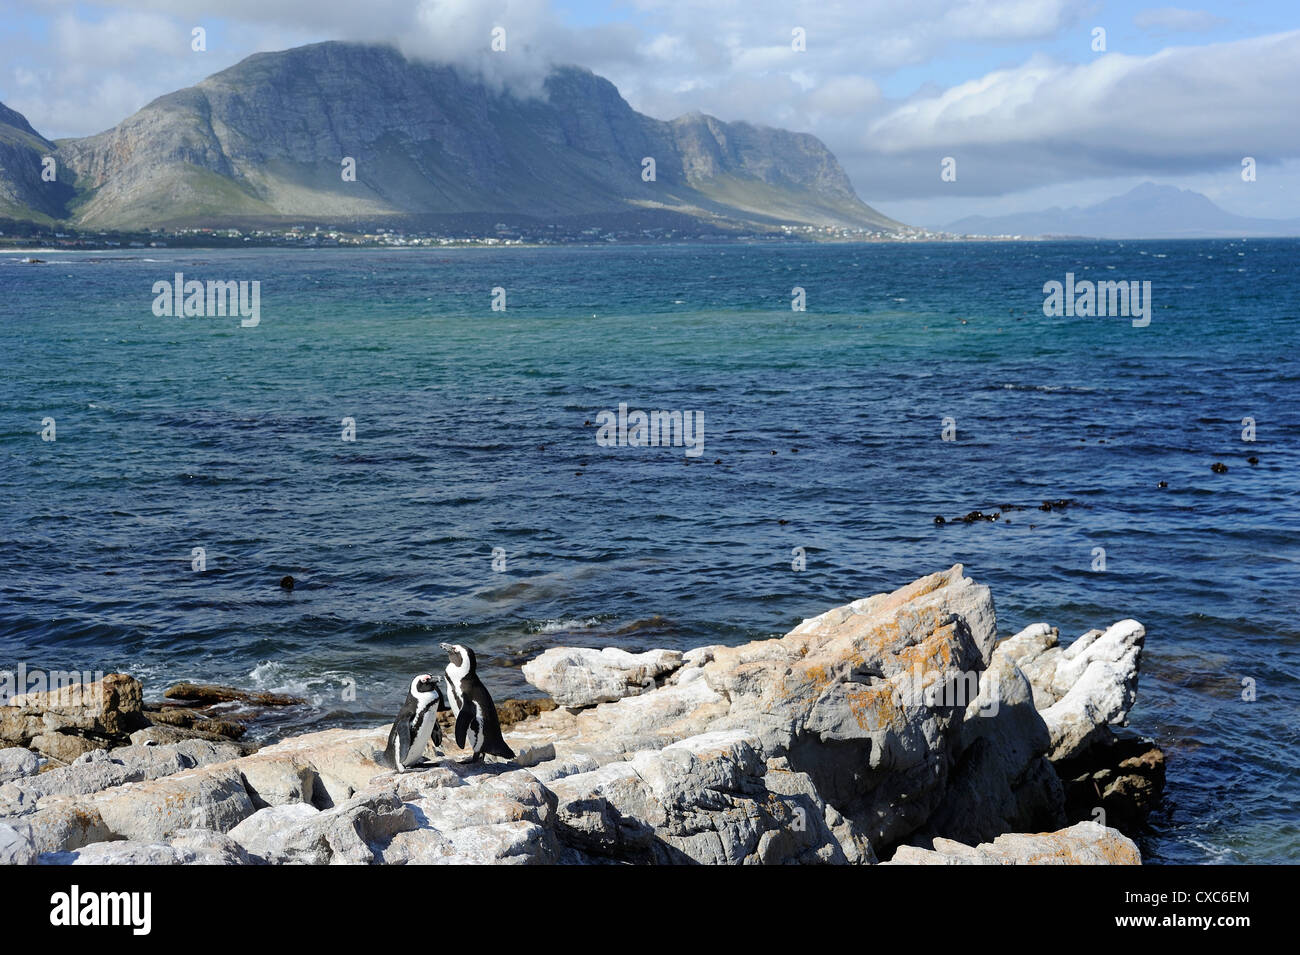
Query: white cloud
1176	111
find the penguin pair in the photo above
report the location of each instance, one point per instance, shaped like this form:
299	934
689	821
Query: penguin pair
477	727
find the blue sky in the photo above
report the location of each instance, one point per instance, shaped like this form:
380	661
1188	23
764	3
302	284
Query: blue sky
1012	89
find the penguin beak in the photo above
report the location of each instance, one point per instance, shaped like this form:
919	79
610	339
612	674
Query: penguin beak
446	646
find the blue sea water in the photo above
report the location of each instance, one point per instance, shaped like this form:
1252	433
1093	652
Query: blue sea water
475	430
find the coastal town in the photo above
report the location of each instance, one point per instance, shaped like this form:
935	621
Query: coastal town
25	235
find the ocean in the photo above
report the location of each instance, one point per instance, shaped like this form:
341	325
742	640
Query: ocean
477	505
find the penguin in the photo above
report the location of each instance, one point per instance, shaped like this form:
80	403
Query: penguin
416	724
477	727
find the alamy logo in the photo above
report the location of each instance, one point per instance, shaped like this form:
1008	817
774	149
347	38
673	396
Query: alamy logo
1087	299
213	299
656	429
75	907
66	687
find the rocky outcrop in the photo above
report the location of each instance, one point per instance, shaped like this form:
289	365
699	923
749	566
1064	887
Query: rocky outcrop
69	722
72	720
892	728
1085	843
1084	689
101	769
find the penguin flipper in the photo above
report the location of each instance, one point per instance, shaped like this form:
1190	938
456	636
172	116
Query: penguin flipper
463	719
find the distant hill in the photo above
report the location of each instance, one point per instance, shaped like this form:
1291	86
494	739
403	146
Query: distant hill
262	142
1148	211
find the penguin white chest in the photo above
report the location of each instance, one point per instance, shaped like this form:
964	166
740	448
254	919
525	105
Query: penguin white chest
420	741
422	726
474	736
453	695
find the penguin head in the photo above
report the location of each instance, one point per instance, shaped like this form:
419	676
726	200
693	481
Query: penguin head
424	683
462	658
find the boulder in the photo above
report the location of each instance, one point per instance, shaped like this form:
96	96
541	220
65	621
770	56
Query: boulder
1002	780
1085	689
506	818
700	800
16	847
17	763
353	833
66	722
62	823
197	847
263	829
211	797
1085	843
579	676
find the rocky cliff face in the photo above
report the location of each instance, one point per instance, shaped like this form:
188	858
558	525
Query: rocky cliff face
23	193
265	139
895	727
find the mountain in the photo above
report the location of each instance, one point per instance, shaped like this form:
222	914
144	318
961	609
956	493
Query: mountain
1148	211
23	193
262	142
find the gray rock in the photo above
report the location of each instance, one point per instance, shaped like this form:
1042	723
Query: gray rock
579	676
17	762
103	769
1002	780
16	846
207	798
353	833
63	823
501	819
261	832
188	847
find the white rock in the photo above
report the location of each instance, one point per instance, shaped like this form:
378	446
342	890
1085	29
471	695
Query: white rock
17	762
580	676
264	829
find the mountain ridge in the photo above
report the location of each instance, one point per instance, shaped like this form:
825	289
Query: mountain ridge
265	139
1147	211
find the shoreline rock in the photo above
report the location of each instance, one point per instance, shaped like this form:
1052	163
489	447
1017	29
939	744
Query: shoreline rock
896	727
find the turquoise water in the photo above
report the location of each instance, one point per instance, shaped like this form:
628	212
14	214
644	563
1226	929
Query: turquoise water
476	430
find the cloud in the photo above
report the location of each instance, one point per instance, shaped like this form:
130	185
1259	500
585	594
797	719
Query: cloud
1182	110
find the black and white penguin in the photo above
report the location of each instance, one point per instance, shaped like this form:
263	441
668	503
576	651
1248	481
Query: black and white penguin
416	724
477	727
